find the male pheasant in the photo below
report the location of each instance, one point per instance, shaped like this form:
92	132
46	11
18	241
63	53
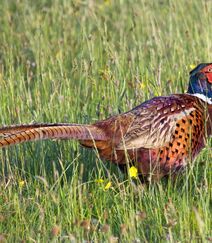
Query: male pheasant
160	136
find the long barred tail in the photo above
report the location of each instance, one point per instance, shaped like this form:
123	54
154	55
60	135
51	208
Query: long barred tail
23	133
13	129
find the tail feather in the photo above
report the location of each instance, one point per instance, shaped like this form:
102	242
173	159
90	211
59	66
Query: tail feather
13	129
24	133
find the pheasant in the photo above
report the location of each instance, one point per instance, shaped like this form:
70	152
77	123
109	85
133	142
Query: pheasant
160	136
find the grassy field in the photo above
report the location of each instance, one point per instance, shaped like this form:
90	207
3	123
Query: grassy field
80	61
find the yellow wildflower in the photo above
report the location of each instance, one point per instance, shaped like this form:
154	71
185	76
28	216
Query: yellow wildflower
142	85
192	66
100	180
108	185
21	183
133	172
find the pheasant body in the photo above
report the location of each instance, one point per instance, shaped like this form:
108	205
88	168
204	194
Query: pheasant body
160	136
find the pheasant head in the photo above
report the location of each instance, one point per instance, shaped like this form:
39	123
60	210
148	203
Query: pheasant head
200	83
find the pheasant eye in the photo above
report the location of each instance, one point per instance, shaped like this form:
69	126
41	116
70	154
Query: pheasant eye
210	70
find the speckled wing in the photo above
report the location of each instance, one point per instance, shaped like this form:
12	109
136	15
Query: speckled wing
156	121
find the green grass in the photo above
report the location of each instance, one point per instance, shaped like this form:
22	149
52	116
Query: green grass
81	61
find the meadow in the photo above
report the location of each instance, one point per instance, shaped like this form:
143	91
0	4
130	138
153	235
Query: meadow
81	61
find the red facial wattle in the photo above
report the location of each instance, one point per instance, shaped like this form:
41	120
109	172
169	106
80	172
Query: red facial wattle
209	76
207	71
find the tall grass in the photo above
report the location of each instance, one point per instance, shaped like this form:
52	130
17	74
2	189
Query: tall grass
81	61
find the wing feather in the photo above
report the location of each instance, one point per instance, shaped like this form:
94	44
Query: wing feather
155	123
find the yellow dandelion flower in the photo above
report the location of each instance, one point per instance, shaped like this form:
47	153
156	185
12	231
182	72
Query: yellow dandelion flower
21	183
142	85
192	66
133	172
100	180
108	185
